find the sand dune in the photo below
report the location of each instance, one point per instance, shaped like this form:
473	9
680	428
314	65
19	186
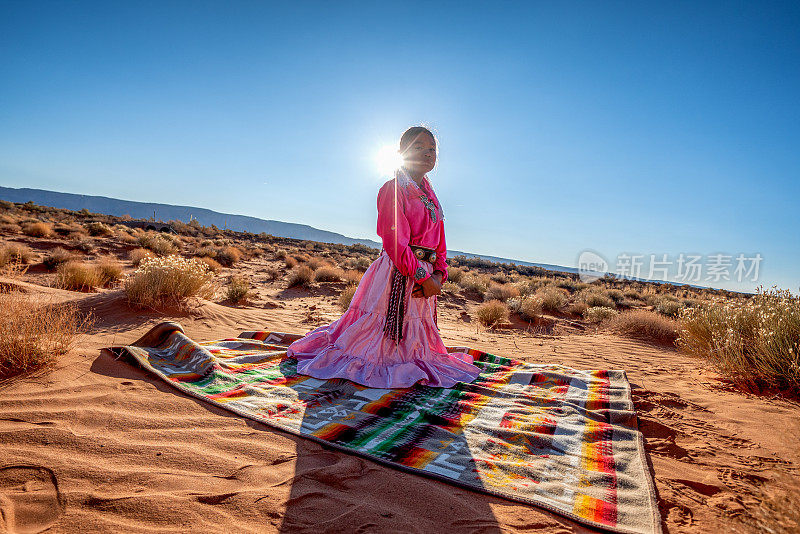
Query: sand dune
95	444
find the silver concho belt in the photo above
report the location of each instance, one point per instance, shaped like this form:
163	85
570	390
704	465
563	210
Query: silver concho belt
424	253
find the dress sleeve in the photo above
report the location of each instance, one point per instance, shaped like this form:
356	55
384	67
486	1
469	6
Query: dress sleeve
441	253
395	232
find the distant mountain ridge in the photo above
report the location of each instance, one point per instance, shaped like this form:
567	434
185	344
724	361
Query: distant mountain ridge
207	217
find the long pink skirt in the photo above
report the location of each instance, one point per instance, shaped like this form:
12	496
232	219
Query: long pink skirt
355	347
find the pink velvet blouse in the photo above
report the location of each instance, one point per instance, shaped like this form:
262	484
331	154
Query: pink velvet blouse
406	218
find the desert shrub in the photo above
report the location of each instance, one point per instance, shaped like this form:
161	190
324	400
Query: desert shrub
168	281
229	255
272	273
15	253
455	274
98	229
501	292
34	334
577	308
598	314
56	257
568	284
552	298
632	294
646	326
77	276
10	228
346	296
212	264
315	263
352	276
84	245
290	262
595	299
138	254
157	243
492	313
302	275
670	308
450	287
359	263
755	342
238	289
528	307
109	271
328	274
38	229
615	294
500	278
473	282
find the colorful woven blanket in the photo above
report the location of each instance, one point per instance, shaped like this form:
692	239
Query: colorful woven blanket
551	436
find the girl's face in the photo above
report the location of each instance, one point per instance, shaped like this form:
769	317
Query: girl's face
420	155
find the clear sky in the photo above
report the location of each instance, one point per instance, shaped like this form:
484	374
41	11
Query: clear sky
620	127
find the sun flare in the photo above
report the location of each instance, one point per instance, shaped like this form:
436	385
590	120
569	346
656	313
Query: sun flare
387	160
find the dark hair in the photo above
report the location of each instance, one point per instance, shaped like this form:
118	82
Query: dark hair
409	135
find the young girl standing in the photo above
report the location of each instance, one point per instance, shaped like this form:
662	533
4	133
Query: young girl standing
388	337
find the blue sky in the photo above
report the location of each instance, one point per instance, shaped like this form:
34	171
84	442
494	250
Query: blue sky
638	128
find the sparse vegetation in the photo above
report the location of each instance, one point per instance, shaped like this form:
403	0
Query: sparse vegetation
138	254
327	273
346	296
528	307
645	325
168	281
38	229
56	257
98	229
598	314
109	272
33	334
15	253
754	342
493	313
77	276
552	299
301	276
238	289
502	292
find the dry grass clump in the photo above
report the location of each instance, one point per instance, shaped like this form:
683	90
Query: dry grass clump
352	276
38	229
77	276
15	253
168	281
138	254
109	271
213	265
472	282
455	274
755	342
598	314
272	273
577	308
229	255
493	313
301	276
500	292
159	244
327	273
238	289
34	334
98	229
528	307
670	308
346	296
595	299
552	298
646	326
290	262
56	257
359	263
450	287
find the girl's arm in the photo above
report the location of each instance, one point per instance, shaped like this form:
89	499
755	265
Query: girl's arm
395	233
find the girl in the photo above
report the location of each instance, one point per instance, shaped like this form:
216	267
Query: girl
388	337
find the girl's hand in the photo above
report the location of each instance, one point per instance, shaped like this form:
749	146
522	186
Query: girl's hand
429	287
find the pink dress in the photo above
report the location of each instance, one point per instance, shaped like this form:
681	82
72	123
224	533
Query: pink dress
355	345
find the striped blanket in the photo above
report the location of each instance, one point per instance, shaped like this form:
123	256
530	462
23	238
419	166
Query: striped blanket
558	438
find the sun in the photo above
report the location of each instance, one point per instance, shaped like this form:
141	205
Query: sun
387	160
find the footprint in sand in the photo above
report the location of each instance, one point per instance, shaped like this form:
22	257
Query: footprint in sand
29	499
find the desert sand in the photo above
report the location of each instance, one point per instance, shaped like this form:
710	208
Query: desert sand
95	444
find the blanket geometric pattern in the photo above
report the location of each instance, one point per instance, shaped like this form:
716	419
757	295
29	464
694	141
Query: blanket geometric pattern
559	438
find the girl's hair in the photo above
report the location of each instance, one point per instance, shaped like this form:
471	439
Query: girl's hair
409	135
